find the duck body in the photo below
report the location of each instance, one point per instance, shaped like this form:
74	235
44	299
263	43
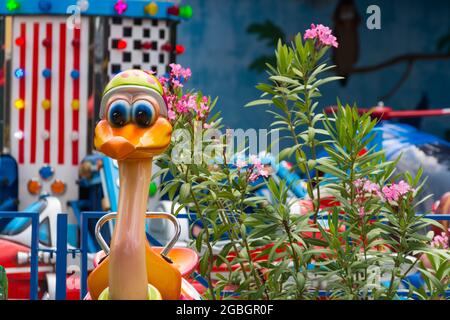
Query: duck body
133	129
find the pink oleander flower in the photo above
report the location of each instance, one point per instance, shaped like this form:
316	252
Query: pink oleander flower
253	177
176	84
202	107
366	186
361	212
163	81
176	70
171	102
186	73
359	183
323	35
264	172
192	101
254	160
241	163
389	193
370	187
182	105
207	126
403	188
440	241
396	190
171	115
257	168
179	103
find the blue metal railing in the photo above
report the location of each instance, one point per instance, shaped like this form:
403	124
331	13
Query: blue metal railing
61	256
85	216
34	216
438	217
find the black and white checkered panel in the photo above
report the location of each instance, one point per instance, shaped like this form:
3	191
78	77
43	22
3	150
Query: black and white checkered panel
144	39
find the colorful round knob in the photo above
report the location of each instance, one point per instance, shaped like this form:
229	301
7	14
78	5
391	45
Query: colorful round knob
19	73
19	104
20	41
76	43
46	42
120	6
186	12
45	5
152	189
12	5
75	104
75	74
19	135
151	9
46	73
46	104
46	172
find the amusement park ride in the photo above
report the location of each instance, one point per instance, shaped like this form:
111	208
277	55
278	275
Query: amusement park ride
59	57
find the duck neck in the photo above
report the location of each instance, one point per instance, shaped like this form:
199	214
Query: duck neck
127	268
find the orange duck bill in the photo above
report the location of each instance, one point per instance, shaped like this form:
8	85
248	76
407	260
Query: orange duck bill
131	141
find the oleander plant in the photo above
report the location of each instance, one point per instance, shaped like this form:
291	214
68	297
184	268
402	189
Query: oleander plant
357	234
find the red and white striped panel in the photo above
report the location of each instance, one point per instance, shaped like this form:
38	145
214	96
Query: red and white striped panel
52	125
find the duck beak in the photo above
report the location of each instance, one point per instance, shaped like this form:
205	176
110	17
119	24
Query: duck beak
132	142
117	148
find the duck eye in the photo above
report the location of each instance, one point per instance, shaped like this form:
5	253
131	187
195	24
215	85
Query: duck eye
143	113
119	113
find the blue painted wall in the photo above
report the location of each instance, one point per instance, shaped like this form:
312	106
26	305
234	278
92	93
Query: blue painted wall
219	50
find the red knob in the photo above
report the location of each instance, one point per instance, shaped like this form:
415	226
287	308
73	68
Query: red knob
20	41
166	47
174	10
147	45
76	43
121	44
46	42
179	49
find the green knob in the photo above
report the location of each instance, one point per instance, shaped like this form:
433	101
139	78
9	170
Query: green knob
152	189
3	284
186	12
12	5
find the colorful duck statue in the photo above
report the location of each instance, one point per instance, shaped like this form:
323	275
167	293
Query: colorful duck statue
133	129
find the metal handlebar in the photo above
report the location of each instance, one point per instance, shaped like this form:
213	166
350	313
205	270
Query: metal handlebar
148	215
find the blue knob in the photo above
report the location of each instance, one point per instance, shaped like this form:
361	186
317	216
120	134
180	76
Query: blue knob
46	172
46	73
19	73
75	74
45	5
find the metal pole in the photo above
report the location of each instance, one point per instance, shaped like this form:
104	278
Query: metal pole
61	256
34	255
84	220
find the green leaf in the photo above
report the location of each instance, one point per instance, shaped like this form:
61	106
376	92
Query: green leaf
258	102
184	191
284	79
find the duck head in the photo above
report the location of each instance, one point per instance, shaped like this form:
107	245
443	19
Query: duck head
133	117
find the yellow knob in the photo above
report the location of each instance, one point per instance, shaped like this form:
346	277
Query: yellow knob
76	104
46	104
19	104
151	9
